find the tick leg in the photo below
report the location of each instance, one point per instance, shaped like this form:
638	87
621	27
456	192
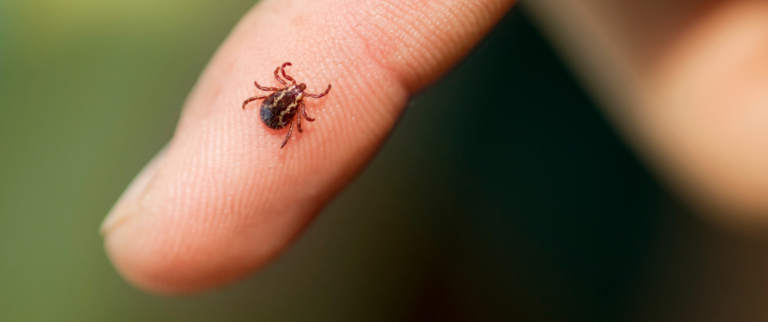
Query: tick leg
304	112
290	129
251	99
282	69
263	88
298	123
320	95
278	77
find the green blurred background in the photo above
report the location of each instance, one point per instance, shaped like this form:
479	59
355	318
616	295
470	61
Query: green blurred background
535	213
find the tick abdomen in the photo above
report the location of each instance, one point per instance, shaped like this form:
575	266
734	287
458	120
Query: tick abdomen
278	109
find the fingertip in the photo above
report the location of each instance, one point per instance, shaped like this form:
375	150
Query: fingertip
162	266
127	204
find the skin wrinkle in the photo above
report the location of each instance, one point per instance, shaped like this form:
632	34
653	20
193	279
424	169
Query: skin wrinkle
411	27
382	46
436	28
370	52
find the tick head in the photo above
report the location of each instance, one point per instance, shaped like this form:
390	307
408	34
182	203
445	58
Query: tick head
302	86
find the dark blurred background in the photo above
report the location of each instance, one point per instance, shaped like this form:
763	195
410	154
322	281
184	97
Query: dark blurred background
502	195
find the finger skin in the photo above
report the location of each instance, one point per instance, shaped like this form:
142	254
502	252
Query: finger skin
688	85
224	199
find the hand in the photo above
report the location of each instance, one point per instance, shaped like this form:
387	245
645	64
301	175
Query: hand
223	198
687	83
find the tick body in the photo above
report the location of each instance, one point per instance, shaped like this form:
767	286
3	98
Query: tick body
280	108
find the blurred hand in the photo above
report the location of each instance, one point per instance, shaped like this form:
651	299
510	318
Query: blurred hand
222	198
686	81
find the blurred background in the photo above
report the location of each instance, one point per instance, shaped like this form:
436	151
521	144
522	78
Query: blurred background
537	213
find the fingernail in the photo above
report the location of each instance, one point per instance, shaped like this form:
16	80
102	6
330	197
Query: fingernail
129	203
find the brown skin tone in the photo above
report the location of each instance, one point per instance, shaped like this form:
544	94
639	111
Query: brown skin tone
223	199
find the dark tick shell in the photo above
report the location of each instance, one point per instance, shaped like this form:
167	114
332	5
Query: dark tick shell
278	110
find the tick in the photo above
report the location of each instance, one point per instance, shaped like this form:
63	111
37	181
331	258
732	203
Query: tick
280	108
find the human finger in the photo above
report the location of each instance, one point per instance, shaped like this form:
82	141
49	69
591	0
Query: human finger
224	198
